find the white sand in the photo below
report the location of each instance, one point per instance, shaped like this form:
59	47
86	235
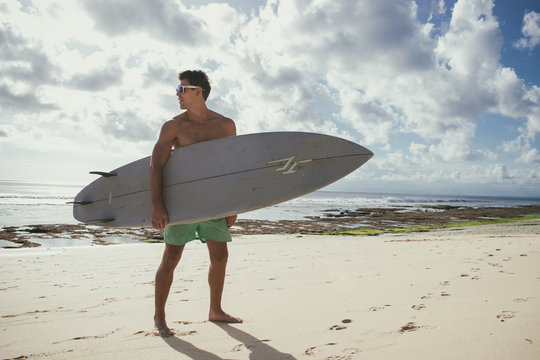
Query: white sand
455	294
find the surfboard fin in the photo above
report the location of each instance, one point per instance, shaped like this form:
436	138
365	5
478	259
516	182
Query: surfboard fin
80	202
103	173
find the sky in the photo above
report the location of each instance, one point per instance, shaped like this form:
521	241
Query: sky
445	93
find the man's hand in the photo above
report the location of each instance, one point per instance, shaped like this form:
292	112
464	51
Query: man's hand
160	217
231	220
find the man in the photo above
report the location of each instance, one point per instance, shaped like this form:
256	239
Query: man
196	124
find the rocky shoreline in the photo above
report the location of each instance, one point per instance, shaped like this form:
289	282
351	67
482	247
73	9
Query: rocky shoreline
332	220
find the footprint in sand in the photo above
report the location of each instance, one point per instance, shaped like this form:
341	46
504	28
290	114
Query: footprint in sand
311	351
183	322
239	347
505	315
184	333
346	354
408	327
174	332
102	336
341	327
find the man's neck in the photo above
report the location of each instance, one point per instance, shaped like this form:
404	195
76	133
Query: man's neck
198	113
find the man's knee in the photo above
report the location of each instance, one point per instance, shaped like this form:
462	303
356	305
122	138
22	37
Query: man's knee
171	256
219	253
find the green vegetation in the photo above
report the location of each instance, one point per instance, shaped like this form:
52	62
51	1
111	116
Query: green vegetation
433	227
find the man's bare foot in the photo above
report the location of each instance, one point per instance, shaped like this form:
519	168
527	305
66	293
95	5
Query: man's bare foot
221	316
163	330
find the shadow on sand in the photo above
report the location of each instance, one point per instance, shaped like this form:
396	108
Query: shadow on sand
189	349
259	349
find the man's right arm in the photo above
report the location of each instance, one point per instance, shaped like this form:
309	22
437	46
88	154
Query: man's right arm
160	155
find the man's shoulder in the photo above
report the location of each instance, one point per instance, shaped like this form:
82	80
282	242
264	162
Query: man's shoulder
176	121
227	125
219	117
179	118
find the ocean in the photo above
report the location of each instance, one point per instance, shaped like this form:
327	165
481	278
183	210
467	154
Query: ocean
31	203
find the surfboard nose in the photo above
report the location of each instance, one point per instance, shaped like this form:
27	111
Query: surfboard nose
357	149
369	153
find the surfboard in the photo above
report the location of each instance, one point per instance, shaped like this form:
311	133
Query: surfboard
221	177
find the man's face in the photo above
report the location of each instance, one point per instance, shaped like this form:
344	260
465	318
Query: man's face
187	96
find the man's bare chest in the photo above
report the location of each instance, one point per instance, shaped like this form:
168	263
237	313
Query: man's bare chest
188	135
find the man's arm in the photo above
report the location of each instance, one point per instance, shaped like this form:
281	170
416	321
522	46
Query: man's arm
160	155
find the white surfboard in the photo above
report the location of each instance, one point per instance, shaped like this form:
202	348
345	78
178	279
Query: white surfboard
220	177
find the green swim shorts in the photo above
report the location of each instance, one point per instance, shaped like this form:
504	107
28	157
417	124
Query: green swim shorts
215	229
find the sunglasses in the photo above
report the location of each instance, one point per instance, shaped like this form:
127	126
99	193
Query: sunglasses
181	88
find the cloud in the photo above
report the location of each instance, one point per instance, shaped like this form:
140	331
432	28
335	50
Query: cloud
23	59
163	19
522	149
531	156
327	53
25	102
384	69
99	79
530	31
24	69
499	173
127	125
158	73
378	70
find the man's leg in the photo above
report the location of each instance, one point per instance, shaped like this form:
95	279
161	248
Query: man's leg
164	279
216	279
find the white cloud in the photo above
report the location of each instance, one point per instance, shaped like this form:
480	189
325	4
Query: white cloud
166	20
530	31
110	75
531	156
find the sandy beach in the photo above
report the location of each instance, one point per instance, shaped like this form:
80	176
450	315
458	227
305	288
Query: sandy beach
461	293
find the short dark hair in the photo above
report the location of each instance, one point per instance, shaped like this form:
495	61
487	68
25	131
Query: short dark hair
197	78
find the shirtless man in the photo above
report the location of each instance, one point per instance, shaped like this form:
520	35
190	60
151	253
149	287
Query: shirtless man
198	123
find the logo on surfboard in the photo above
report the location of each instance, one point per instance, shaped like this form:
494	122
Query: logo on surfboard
290	165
